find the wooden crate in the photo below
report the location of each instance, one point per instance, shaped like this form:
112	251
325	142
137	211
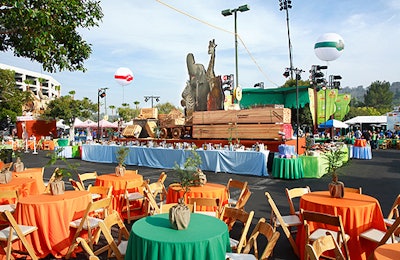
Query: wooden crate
265	115
150	128
132	131
147	113
242	131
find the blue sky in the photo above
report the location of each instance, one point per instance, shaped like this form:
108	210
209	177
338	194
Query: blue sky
153	39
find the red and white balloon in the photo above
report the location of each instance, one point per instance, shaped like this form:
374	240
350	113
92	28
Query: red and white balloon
123	76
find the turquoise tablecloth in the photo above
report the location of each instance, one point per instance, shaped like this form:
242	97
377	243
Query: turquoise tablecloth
152	238
287	168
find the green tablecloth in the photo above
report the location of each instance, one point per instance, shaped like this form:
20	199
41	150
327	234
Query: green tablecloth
315	166
284	168
153	238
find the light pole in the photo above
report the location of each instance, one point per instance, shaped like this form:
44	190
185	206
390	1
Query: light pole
285	5
227	12
146	98
101	93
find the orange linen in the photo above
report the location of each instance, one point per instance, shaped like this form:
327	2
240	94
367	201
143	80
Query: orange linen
387	252
209	190
52	215
24	186
118	183
359	212
360	142
33	173
48	145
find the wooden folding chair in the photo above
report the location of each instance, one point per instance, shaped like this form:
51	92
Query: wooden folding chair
158	188
285	222
100	192
353	190
88	223
134	201
323	244
15	232
244	198
206	206
381	237
12	197
164	208
271	235
231	216
295	193
235	189
115	249
87	177
76	185
393	213
153	207
335	225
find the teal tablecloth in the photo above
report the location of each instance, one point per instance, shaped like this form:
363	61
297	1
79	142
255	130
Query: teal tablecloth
287	168
153	238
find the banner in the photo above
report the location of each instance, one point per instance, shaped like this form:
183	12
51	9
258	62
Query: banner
326	104
342	106
312	103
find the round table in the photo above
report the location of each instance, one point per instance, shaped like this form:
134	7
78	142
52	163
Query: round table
33	173
153	238
118	183
24	186
209	190
52	215
359	213
387	252
287	168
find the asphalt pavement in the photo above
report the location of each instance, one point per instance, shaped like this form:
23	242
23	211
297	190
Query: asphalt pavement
379	177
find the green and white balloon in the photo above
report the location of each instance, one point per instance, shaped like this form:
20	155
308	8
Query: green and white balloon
329	46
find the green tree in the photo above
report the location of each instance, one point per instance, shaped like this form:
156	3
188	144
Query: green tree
12	99
68	109
112	107
165	108
379	96
361	111
292	83
48	31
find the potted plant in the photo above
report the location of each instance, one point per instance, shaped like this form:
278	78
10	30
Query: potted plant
189	175
18	165
57	186
121	155
334	160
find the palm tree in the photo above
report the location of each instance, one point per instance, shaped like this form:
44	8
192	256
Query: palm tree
28	82
58	88
125	104
112	107
136	104
72	93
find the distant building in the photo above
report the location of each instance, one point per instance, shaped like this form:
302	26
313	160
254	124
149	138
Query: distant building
29	80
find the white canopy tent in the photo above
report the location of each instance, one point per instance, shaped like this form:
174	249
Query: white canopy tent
367	120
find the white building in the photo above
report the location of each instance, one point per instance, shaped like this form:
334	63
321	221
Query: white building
29	80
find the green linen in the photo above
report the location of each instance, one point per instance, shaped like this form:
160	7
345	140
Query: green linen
284	168
153	238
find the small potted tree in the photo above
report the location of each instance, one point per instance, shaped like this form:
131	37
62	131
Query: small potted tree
189	175
57	186
334	160
121	155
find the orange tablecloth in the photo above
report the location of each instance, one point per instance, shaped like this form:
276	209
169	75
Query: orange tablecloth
209	190
387	252
25	187
48	145
359	212
52	215
32	173
118	183
360	142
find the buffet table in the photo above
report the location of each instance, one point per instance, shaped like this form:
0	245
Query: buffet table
153	238
287	168
68	151
240	162
360	152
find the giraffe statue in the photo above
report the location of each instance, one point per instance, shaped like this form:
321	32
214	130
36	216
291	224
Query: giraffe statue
215	99
211	50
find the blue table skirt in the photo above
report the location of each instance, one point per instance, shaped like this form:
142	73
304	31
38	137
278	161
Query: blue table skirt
240	162
363	153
